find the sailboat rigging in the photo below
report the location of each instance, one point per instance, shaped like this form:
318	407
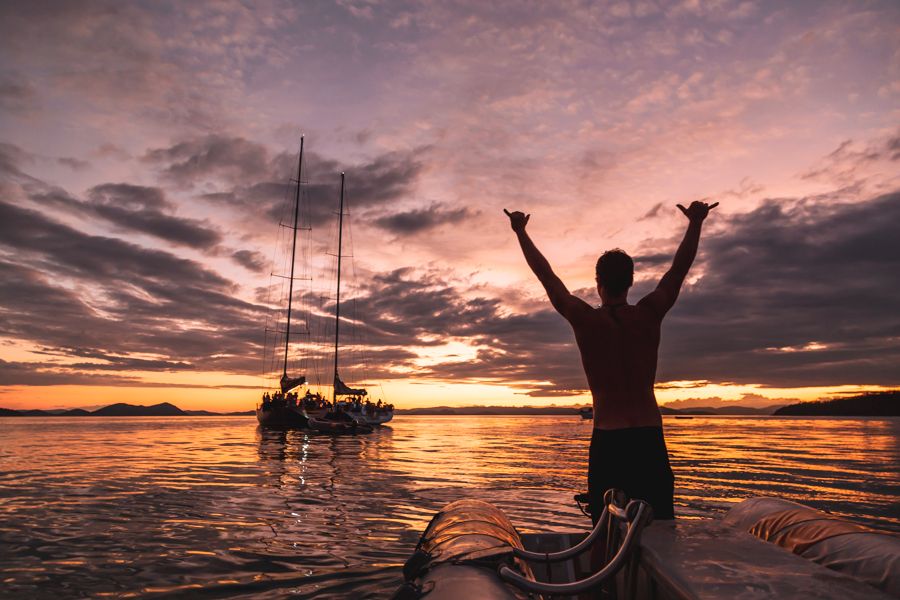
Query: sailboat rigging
282	408
355	416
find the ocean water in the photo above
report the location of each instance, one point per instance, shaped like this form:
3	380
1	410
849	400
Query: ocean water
216	508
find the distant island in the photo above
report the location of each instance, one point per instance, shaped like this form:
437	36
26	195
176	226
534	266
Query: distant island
872	404
120	409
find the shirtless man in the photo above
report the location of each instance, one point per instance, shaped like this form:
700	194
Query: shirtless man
618	344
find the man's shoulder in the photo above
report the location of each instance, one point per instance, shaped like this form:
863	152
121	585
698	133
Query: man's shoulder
655	304
579	313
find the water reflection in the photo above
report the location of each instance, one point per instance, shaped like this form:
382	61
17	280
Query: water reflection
162	506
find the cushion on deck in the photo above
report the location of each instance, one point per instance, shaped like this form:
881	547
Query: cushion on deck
867	554
462	550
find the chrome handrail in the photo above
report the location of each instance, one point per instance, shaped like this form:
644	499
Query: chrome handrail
568	552
635	525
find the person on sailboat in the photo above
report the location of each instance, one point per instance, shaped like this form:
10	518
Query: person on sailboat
619	343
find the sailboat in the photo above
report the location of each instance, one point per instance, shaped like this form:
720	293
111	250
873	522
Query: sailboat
282	409
357	415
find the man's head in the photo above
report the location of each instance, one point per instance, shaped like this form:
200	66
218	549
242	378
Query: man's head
615	273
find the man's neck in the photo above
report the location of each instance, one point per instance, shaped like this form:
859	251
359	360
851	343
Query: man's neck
610	302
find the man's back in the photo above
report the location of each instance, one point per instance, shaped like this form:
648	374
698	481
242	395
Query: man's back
618	347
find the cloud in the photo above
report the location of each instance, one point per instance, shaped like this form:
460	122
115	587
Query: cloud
31	374
140	208
851	161
818	279
250	259
653	212
249	176
76	164
774	279
746	399
11	159
232	158
18	95
419	220
130	207
69	289
793	293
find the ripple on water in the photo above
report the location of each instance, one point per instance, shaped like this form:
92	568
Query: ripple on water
217	507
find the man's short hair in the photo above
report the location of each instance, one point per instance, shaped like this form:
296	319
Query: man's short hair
615	271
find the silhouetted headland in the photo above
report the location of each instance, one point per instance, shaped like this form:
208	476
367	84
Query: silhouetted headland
121	409
873	404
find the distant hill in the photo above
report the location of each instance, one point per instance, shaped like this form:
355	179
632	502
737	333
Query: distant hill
75	412
121	409
164	409
727	410
873	404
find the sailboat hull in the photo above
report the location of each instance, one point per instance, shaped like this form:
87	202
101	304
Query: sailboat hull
282	417
371	418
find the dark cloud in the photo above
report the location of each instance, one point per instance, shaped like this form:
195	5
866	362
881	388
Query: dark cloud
255	180
395	311
68	290
107	150
846	163
76	164
232	158
113	362
653	212
416	221
251	260
793	293
17	95
142	209
31	374
129	207
11	160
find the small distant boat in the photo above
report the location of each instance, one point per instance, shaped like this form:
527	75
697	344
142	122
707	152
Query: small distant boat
586	412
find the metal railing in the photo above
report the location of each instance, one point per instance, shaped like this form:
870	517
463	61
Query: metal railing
617	522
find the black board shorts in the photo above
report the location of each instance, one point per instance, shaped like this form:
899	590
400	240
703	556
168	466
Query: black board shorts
634	460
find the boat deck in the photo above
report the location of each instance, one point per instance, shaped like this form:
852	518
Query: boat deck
707	560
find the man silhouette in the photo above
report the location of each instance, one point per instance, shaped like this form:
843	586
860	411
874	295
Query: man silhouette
618	344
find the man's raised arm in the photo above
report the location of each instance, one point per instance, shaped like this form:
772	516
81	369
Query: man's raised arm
665	294
564	302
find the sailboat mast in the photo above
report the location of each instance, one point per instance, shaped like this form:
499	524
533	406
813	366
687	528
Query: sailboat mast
287	329
337	309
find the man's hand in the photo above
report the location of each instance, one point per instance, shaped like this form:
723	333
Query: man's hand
517	220
697	211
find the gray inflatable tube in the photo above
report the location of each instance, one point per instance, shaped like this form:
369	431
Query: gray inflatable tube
867	554
460	553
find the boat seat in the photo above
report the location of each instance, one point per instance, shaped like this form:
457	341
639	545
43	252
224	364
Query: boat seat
711	560
855	550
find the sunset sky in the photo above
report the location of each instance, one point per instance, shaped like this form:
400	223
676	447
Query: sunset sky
146	151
